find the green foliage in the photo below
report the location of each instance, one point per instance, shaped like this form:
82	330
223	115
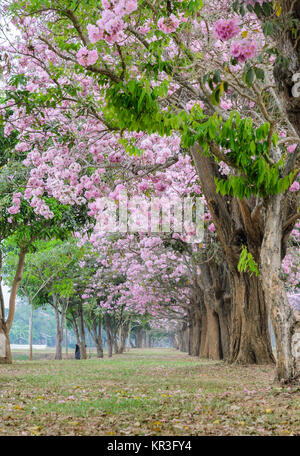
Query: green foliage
247	263
246	149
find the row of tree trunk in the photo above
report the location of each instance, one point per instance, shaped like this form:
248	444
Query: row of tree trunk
219	325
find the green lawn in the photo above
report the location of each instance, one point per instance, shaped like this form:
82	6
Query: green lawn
144	392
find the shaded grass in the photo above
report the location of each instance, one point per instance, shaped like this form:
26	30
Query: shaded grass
144	392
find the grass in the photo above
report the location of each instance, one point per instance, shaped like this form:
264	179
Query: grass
144	392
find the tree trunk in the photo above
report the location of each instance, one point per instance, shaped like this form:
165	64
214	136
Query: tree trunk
285	321
147	340
67	342
83	354
30	331
177	340
123	336
109	338
195	329
129	336
184	346
59	332
14	289
213	342
60	315
99	346
5	353
250	338
250	341
203	353
75	329
98	338
223	308
139	338
5	326
115	342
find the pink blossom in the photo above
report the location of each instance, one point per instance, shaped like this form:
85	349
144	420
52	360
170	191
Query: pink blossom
292	148
95	34
294	187
168	25
243	50
86	57
226	29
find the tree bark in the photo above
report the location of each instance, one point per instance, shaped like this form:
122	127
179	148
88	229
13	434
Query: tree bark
83	354
97	335
250	338
109	338
196	328
75	329
285	321
59	332
60	315
67	342
123	336
5	353
5	326
129	336
147	339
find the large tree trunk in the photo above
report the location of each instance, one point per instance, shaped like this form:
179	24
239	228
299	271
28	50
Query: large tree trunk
223	309
213	344
285	321
196	328
203	353
213	339
250	338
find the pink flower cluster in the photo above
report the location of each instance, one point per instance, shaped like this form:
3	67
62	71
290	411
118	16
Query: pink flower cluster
111	25
169	24
291	149
86	57
226	29
243	50
15	208
295	187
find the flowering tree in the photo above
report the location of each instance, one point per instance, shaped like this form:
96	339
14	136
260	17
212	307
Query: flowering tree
144	68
